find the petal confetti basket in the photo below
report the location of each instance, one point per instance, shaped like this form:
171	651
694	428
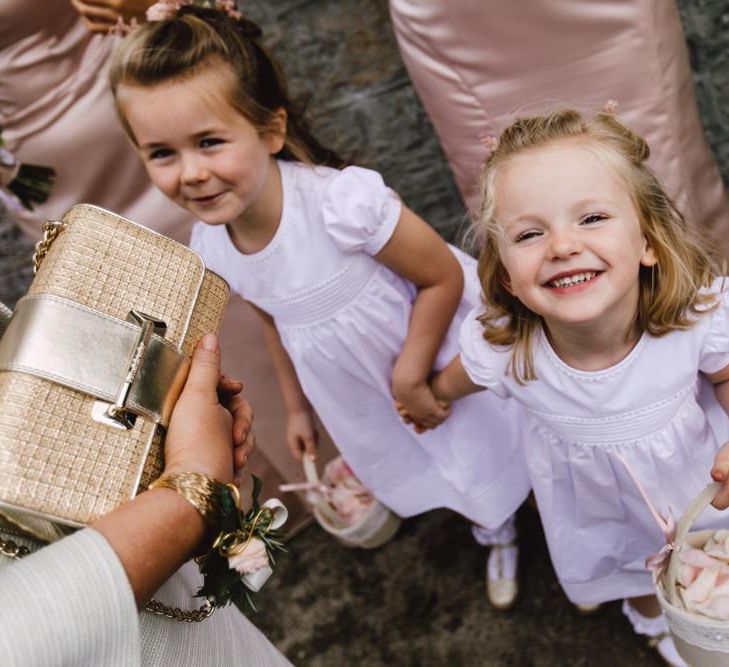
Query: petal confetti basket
701	640
92	362
370	528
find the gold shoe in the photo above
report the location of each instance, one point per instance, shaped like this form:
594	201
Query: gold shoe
501	592
588	609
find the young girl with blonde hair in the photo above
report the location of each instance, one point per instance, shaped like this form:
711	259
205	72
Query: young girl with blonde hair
600	313
357	294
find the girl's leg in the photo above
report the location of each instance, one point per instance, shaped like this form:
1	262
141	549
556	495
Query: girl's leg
644	614
501	567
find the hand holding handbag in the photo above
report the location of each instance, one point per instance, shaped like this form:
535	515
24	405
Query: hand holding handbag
92	362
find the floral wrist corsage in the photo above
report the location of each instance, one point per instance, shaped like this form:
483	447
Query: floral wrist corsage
241	559
30	183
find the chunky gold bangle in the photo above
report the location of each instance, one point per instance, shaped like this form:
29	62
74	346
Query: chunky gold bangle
201	491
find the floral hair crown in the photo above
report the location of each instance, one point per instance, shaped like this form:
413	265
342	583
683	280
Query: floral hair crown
167	9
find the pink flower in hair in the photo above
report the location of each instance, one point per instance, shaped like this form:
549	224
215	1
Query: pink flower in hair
611	107
491	142
228	6
163	10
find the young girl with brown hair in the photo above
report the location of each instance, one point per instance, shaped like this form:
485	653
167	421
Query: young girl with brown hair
357	294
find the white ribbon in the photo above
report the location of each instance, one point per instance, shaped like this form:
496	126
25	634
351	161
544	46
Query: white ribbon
255	580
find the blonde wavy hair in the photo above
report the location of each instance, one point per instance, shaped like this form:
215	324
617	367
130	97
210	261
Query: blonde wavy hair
670	295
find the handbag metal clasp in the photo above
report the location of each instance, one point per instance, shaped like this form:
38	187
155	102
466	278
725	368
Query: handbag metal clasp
116	414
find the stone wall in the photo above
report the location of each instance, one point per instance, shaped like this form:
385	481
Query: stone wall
342	60
706	25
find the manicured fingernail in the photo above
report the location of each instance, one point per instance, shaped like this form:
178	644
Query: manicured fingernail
210	342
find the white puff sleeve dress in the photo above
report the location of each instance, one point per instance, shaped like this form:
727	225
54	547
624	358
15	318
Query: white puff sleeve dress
342	317
647	408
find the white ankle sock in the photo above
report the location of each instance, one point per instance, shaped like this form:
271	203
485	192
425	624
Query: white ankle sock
502	562
653	627
502	534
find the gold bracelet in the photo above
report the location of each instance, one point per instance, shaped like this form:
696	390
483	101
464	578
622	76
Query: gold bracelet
201	491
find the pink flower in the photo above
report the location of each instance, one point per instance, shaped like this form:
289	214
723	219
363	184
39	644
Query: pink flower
163	10
228	6
251	559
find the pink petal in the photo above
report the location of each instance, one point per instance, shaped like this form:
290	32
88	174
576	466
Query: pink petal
687	574
717	607
701	588
698	558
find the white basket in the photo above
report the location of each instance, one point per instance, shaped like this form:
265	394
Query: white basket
701	641
371	530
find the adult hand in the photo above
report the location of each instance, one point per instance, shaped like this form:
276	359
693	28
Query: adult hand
101	15
244	438
211	420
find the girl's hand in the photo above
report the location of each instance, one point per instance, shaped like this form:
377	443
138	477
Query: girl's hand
417	405
301	434
720	473
408	419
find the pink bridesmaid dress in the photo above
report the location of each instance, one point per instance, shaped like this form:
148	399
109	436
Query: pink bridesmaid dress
56	110
478	64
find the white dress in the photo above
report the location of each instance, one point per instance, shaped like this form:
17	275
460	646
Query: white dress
343	317
598	528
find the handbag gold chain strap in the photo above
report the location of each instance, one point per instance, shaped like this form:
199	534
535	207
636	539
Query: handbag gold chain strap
16	551
51	229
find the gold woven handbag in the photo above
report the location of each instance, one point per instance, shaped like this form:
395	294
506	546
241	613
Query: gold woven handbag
92	362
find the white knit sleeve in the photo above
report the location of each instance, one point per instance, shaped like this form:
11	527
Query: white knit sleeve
69	603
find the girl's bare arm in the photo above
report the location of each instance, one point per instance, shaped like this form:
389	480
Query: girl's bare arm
453	382
720	469
301	434
416	252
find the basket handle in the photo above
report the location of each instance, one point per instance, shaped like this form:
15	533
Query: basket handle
695	508
315	497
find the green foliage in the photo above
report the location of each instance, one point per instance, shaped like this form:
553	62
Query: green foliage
223	585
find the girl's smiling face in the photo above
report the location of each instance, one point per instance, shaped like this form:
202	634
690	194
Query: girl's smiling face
201	152
571	242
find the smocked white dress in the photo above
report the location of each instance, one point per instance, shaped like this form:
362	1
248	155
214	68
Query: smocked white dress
646	407
343	317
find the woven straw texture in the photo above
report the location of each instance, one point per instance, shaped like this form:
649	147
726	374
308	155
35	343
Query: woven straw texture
55	460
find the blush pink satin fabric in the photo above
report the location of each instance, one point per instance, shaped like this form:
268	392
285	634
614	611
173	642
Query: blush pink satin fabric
478	64
56	110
